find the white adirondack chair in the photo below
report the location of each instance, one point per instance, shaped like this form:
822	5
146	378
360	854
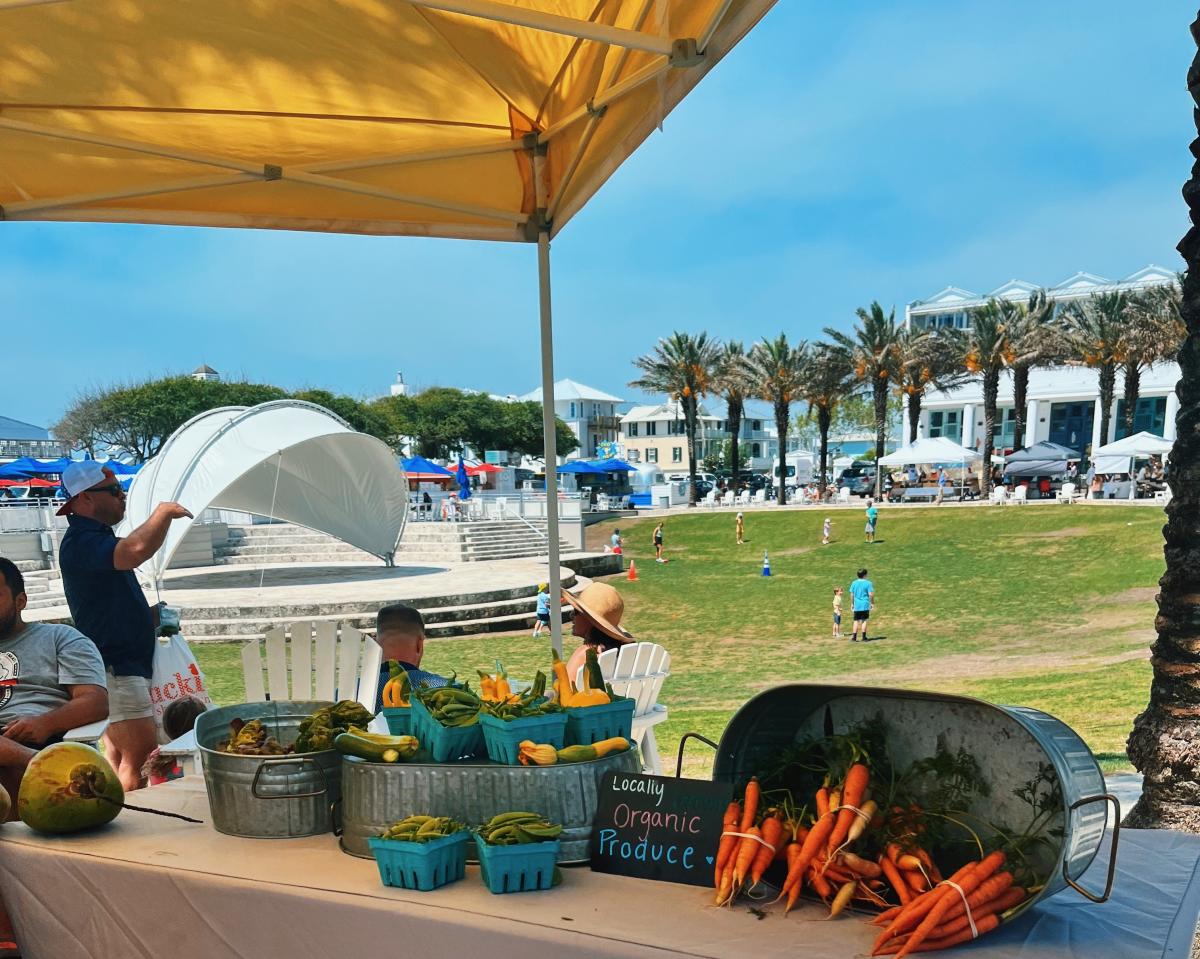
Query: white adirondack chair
727	499
760	497
710	498
1019	495
999	494
743	498
1066	494
323	666
637	671
89	734
844	495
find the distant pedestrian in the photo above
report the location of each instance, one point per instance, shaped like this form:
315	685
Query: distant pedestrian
616	541
741	529
862	592
658	543
837	612
543	609
872	519
941	484
826	531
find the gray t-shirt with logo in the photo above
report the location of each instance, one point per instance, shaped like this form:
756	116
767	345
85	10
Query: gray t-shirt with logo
38	663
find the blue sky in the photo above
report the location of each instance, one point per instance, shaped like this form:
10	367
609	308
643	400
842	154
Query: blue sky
843	153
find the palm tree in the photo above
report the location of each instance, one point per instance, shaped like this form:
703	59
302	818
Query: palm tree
925	358
1034	341
1161	745
777	372
1094	329
828	379
1152	334
871	351
681	366
988	351
733	382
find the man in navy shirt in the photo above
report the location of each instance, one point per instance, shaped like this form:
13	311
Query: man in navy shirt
108	605
400	633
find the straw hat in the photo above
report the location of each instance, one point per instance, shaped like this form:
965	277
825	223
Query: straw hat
603	606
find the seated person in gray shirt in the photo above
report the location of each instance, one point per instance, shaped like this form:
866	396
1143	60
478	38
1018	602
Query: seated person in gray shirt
51	681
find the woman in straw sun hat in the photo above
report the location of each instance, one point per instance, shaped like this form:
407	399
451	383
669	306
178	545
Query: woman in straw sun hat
598	610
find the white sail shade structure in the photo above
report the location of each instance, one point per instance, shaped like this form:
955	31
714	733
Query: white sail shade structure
285	459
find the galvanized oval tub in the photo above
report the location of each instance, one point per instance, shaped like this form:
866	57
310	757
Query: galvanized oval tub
268	797
1010	743
375	795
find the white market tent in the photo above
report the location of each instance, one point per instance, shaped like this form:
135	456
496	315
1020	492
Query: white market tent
1139	444
475	119
925	451
285	459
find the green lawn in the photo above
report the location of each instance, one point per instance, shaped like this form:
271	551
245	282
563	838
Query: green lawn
1045	606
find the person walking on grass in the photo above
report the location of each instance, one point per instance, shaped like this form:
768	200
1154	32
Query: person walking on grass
872	518
741	530
658	543
543	610
826	532
862	592
837	612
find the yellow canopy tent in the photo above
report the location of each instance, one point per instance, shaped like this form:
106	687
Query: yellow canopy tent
477	119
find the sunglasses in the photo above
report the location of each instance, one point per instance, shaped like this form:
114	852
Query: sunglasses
113	489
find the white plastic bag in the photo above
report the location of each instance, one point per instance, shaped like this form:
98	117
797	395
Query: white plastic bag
175	676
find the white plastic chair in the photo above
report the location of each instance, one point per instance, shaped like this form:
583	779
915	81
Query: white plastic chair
323	666
727	499
843	495
710	498
760	497
1019	495
89	734
743	498
1066	494
637	671
999	495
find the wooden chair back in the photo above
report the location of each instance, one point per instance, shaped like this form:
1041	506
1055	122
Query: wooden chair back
307	660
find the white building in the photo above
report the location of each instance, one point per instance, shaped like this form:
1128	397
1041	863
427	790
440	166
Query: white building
1062	401
590	413
655	433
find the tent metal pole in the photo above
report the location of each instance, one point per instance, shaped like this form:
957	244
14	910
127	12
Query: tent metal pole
711	27
551	23
647	73
550	438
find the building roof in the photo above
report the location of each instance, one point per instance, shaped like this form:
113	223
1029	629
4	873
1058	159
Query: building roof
204	368
662	411
571	390
1081	284
11	429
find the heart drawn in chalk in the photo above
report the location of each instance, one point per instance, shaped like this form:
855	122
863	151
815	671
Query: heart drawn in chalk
709	860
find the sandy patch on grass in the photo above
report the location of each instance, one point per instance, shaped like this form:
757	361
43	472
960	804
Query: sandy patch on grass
1065	533
1139	594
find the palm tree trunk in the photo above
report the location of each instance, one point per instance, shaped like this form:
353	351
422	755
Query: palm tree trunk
1020	375
1108	383
914	413
781	426
734	425
1162	745
991	387
1133	389
824	418
689	426
880	394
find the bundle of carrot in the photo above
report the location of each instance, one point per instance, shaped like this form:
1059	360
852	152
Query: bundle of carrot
967	905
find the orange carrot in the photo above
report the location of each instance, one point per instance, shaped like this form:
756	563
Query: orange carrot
853	791
864	867
750	809
985	925
909	862
733	815
897	881
745	855
823	889
912	913
886	916
725	886
822	801
968	883
930	867
772	835
1000	904
812	843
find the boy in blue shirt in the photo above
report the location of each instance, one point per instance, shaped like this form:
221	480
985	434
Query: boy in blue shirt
872	518
862	593
543	609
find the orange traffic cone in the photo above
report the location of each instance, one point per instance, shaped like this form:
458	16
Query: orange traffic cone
632	571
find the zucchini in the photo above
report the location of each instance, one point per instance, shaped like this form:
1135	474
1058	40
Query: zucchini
372	751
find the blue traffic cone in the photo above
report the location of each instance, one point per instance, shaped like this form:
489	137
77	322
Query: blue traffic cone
766	564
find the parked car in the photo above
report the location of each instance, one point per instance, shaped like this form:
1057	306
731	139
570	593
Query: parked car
859	478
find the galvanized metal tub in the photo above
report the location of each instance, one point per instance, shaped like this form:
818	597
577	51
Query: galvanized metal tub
1010	743
268	797
375	795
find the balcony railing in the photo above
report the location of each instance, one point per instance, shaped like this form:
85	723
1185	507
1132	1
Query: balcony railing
604	423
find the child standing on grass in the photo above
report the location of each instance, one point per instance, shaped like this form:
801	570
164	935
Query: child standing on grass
543	609
658	543
837	610
825	532
741	530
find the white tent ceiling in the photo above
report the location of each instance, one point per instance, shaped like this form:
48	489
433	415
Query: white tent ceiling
1139	444
926	450
287	459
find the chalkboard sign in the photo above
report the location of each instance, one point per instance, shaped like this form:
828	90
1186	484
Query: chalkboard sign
655	827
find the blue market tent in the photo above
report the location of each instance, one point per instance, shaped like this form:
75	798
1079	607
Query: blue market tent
10	472
418	467
28	464
122	469
578	466
616	466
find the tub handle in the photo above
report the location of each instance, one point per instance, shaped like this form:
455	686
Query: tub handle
335	817
1112	853
284	761
682	743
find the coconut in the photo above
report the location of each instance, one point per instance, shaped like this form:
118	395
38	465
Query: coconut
68	787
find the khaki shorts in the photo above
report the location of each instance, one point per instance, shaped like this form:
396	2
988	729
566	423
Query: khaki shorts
128	697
